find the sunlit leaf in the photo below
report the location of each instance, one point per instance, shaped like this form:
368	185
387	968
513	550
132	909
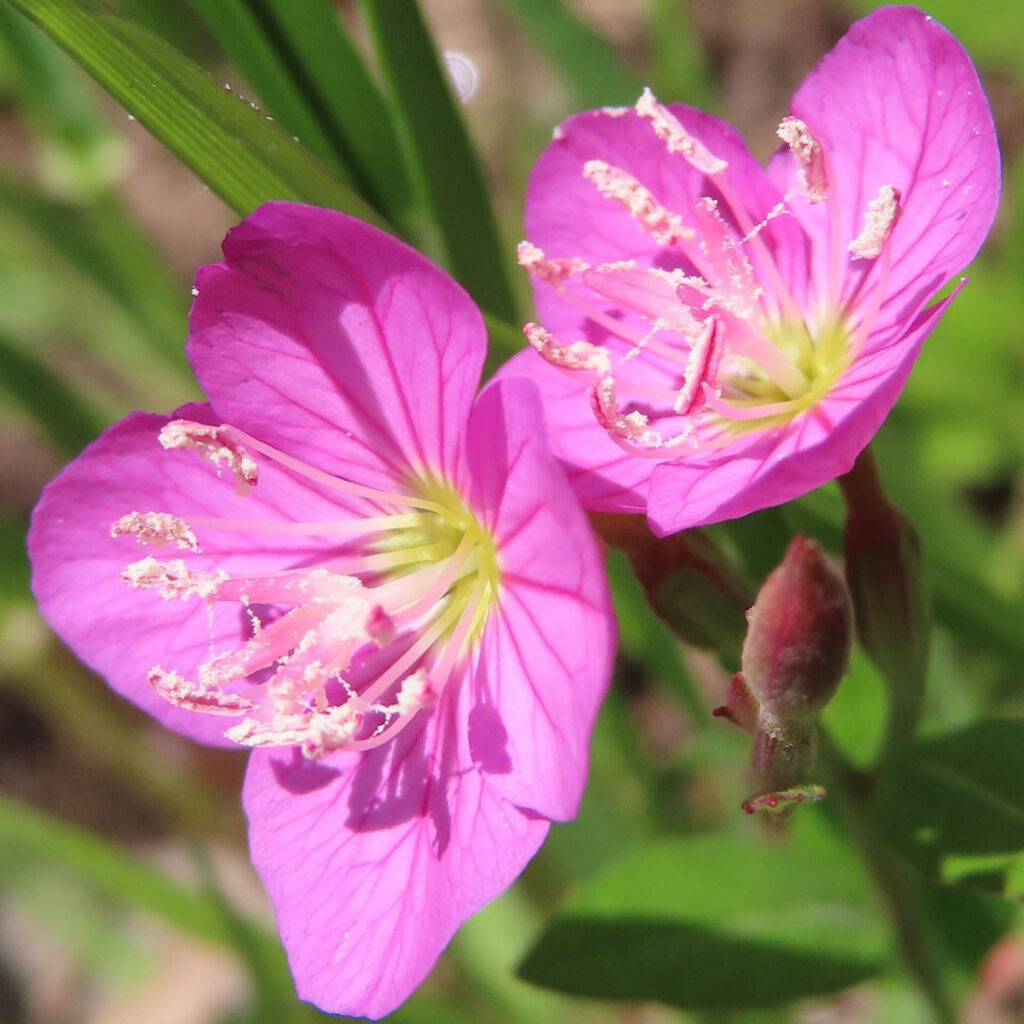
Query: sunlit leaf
449	171
714	922
960	793
312	78
243	157
587	63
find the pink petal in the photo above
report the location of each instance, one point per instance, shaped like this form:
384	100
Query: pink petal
121	632
898	102
771	468
545	658
328	339
373	861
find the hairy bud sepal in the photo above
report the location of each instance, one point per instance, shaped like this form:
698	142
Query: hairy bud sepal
798	641
796	652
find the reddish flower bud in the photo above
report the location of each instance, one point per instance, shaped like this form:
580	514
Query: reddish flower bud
796	651
798	640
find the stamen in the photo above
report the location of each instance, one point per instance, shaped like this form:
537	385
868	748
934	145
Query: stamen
333	482
156	528
737	290
627	426
423	643
696	369
331	528
808	152
661	224
580	355
216	445
191	696
676	138
651	293
554	271
418	691
879	219
171	579
746	412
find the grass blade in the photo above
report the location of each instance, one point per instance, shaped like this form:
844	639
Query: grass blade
243	157
450	173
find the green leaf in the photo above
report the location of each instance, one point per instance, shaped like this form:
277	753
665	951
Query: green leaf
65	419
961	793
717	923
681	72
308	73
101	241
244	158
450	174
28	836
586	61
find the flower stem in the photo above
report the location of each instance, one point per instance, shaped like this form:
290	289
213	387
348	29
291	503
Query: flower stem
894	880
885	573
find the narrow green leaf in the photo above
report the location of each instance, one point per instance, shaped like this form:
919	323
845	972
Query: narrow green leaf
100	240
26	835
961	793
586	61
450	173
243	157
63	416
709	923
681	72
312	78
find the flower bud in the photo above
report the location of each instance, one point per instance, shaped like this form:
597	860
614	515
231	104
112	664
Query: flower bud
796	651
798	640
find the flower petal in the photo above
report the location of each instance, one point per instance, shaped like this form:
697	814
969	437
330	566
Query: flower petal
898	102
328	339
545	658
783	464
122	632
373	861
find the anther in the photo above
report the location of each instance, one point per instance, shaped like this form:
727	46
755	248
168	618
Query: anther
661	224
676	138
554	271
172	579
625	426
216	445
809	155
580	355
879	219
156	528
189	696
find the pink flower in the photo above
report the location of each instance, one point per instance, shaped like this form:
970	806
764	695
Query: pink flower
720	337
383	585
